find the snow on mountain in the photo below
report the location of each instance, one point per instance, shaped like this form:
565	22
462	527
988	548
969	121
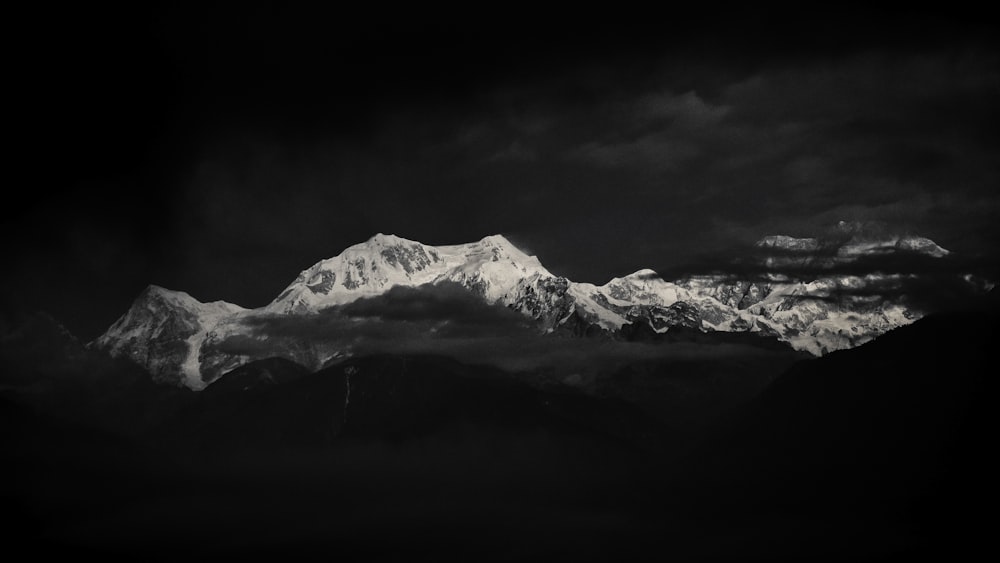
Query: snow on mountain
178	338
644	287
491	267
784	242
181	339
164	331
619	301
862	247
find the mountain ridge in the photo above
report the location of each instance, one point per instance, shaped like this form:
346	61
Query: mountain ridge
177	337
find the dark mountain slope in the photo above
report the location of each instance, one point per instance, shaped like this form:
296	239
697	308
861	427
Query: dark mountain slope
427	459
392	399
255	376
881	452
884	447
46	368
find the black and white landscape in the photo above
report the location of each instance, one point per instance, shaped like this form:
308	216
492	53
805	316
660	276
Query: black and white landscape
500	286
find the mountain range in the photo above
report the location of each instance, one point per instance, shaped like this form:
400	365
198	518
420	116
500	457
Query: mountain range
698	445
874	453
182	340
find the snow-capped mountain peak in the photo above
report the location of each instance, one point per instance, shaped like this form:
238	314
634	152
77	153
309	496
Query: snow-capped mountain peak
643	274
382	238
643	287
155	295
164	329
491	266
154	292
179	338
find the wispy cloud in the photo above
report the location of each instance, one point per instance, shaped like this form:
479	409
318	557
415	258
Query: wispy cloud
515	151
668	164
656	151
688	109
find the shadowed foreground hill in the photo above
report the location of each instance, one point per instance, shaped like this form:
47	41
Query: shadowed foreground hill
879	451
393	399
876	453
420	458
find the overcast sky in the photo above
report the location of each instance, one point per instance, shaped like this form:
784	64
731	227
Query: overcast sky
220	152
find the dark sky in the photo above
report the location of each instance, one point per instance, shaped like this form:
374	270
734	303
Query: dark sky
222	150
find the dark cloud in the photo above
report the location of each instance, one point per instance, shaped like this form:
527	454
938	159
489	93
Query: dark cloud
876	136
423	314
929	293
874	133
448	321
923	282
326	325
516	151
637	163
223	152
245	345
433	302
687	110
